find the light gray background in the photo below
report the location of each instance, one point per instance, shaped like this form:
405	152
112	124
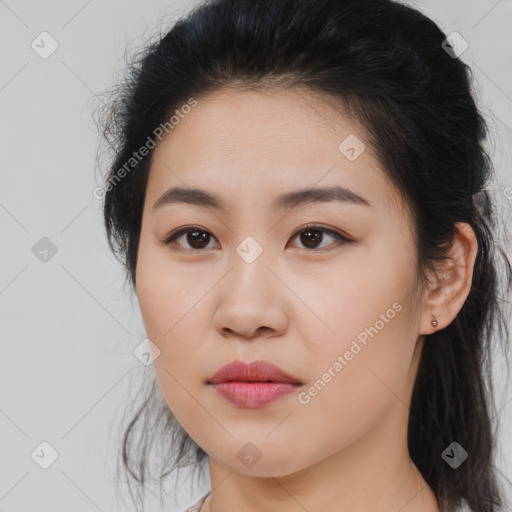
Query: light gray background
68	328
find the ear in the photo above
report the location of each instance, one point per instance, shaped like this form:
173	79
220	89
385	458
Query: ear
450	283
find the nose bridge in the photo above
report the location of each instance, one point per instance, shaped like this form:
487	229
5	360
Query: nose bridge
249	298
250	276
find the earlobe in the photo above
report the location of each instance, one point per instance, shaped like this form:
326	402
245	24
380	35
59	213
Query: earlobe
434	322
451	285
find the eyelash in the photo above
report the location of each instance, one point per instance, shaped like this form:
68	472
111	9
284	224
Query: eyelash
339	237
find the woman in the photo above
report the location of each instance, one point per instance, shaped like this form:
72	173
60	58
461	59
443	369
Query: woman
299	197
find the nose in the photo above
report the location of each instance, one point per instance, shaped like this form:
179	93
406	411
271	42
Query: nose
251	301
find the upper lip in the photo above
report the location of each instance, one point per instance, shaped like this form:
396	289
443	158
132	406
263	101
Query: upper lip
256	371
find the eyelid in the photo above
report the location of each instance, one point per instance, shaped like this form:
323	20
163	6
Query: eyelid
321	227
180	231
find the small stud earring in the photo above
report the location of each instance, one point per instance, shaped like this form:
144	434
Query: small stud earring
434	321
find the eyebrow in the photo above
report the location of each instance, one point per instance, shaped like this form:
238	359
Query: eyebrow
202	198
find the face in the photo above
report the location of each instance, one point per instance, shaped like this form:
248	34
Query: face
334	305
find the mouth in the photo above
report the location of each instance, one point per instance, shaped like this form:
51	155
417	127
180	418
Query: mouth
253	385
256	371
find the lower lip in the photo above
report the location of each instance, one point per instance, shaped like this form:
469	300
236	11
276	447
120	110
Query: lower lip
254	394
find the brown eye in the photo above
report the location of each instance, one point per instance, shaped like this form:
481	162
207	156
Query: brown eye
311	236
197	239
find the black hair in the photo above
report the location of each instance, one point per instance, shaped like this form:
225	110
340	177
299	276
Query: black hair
386	65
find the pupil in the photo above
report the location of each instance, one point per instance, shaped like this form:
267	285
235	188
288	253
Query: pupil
194	236
314	237
200	238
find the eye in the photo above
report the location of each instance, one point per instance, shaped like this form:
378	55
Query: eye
313	234
198	238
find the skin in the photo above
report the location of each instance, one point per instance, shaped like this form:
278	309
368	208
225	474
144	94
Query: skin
297	307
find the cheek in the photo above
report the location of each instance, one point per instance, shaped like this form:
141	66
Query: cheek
171	322
364	298
168	299
361	371
354	387
173	316
372	299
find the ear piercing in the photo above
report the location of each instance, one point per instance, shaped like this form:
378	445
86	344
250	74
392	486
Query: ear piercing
434	321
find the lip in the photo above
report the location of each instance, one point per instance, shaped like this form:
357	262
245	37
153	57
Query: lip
256	371
253	384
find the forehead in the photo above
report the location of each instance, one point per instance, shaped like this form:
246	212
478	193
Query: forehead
230	120
240	144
